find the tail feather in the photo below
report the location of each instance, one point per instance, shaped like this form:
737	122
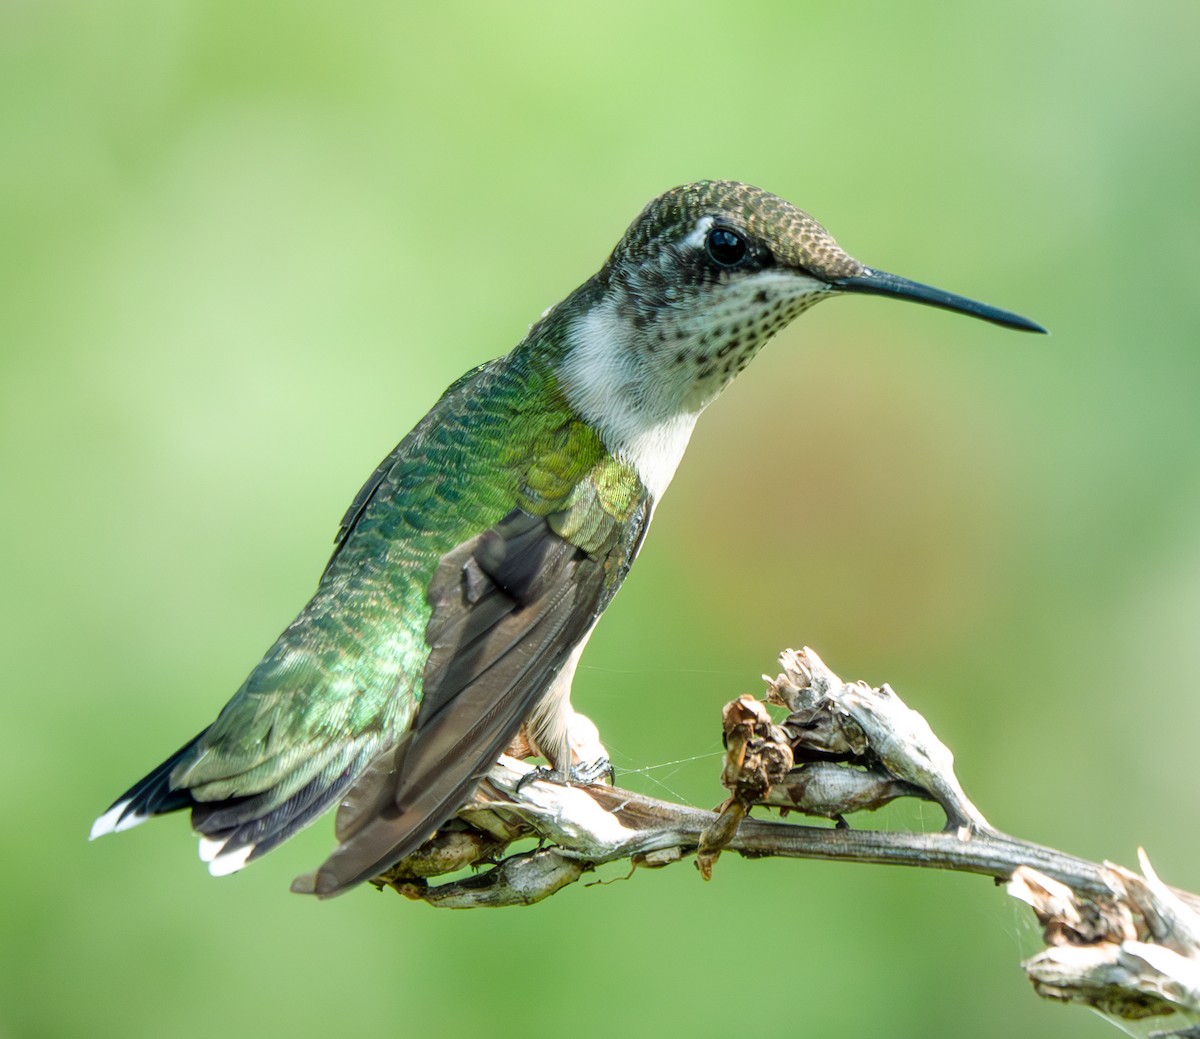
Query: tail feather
231	832
234	830
150	796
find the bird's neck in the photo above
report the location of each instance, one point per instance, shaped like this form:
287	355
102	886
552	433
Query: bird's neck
616	374
639	361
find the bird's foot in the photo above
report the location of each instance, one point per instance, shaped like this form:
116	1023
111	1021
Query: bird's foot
598	771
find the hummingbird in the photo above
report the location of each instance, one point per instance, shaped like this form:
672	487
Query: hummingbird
471	568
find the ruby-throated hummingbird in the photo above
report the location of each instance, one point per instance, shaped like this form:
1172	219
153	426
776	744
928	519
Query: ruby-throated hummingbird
472	566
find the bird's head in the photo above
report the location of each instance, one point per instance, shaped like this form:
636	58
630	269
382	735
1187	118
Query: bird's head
704	276
709	271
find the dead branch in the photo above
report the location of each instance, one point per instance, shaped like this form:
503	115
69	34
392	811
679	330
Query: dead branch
1125	944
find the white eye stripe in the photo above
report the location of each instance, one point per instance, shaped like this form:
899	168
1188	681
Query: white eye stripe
696	239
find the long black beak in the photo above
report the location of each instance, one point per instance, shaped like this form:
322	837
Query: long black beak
880	283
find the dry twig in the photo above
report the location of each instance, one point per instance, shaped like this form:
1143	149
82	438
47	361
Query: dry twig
1125	944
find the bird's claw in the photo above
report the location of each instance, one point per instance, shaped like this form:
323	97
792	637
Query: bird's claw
600	770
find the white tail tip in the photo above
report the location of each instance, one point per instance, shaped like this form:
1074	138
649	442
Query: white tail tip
111	821
220	862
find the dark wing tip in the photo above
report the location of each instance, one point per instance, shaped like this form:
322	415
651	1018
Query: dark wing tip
318	883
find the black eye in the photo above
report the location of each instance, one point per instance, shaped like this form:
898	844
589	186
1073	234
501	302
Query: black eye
727	247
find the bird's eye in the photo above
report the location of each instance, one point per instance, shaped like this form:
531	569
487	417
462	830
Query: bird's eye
727	247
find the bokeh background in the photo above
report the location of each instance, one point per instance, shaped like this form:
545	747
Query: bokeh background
245	246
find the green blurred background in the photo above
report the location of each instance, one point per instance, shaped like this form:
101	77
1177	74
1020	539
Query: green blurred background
246	245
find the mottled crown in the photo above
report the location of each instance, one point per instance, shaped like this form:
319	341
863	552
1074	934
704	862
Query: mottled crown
793	238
